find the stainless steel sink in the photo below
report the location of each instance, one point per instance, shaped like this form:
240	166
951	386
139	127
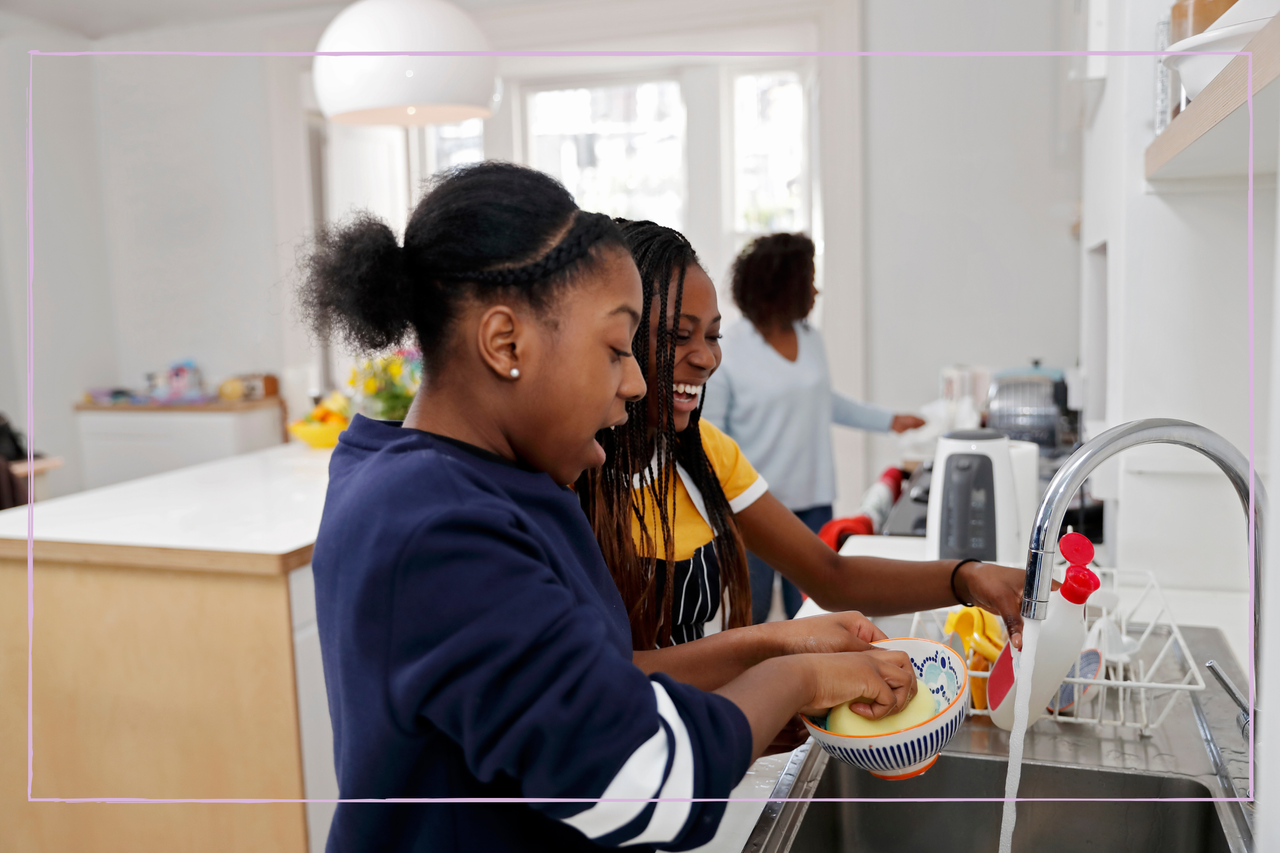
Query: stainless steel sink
1045	827
1197	753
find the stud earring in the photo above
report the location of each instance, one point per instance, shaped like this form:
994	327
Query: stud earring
515	373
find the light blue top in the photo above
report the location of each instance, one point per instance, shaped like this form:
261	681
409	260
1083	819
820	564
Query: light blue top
780	412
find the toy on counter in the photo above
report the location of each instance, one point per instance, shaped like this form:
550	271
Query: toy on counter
323	424
250	386
115	397
182	383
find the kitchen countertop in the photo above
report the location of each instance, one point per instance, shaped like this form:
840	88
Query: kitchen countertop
257	513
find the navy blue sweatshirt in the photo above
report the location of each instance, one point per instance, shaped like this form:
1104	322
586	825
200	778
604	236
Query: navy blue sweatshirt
475	645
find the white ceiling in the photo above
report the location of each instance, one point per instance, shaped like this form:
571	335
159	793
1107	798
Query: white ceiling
98	18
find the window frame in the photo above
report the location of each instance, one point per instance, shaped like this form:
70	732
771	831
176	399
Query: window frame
808	89
528	88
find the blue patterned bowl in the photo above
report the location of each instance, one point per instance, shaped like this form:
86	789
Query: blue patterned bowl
913	750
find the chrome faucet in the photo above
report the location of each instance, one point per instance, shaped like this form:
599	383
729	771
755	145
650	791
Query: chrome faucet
1053	508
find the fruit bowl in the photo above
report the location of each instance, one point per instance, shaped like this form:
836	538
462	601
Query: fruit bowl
318	435
912	750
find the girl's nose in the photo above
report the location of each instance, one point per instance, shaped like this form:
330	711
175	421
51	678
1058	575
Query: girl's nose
633	387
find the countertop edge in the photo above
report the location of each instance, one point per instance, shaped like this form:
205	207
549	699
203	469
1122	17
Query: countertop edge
145	557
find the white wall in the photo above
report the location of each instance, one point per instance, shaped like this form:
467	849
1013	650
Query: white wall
972	185
73	336
171	199
204	175
1177	327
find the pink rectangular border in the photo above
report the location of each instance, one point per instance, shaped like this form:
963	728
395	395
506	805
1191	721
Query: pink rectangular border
31	417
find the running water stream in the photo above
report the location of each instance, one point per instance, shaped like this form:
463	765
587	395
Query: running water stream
1018	735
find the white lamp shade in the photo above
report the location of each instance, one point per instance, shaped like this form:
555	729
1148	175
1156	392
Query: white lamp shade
403	90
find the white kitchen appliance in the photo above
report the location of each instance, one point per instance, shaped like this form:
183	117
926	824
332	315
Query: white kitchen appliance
973	501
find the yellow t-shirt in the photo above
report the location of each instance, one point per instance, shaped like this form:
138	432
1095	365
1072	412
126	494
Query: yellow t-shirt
690	527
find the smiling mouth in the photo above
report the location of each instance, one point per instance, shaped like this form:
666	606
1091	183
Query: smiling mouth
685	393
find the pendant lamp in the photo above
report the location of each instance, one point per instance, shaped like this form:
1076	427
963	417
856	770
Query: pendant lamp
403	90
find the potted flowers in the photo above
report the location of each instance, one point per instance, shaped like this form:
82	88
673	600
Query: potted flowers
384	386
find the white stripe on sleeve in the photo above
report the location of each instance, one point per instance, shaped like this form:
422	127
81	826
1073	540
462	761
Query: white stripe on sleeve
640	778
750	496
669	818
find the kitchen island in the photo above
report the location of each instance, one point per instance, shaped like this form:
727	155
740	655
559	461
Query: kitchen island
174	656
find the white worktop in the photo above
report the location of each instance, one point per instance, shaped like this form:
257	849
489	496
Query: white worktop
266	502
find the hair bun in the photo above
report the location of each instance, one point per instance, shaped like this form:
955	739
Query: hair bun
356	284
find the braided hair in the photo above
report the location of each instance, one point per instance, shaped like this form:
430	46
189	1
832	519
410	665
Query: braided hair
485	231
607	494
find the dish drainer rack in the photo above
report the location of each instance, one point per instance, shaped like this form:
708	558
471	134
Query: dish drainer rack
1137	694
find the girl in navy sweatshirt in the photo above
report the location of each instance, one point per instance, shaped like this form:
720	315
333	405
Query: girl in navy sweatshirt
474	643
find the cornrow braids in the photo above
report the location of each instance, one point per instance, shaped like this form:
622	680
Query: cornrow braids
587	228
484	231
608	495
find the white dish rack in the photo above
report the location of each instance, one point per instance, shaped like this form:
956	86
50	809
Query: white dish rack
1138	694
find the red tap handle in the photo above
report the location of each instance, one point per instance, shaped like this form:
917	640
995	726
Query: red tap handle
1077	549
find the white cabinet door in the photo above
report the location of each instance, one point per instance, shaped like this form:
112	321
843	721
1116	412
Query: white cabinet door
120	445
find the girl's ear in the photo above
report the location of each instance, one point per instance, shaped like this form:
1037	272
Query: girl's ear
502	338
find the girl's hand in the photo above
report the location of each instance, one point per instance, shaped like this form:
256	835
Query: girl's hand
847	631
874	683
996	589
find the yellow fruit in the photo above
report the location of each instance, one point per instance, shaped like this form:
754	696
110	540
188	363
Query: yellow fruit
843	721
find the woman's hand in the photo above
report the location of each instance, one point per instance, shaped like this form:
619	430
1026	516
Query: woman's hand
996	589
846	631
902	423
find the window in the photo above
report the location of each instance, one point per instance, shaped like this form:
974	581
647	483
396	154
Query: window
770	162
438	147
619	149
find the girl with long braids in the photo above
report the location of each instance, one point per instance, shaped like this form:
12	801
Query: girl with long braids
474	644
676	502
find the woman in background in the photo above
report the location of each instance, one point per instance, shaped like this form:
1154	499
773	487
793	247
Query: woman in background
773	395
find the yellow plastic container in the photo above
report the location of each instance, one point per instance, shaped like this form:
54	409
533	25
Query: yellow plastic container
318	435
979	631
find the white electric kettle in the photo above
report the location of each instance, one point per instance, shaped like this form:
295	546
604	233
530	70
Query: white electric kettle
976	510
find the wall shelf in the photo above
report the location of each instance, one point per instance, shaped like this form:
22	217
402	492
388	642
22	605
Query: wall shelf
1210	139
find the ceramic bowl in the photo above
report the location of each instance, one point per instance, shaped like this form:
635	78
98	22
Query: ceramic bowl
1217	48
913	750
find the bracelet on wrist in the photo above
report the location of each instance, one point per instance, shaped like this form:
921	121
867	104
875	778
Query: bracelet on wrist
953	582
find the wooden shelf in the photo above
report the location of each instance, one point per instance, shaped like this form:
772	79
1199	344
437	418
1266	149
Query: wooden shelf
216	406
1210	139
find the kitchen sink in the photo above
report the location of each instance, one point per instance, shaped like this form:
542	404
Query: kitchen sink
1044	827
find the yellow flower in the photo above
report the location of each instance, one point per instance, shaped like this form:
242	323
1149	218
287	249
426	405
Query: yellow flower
370	385
394	369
